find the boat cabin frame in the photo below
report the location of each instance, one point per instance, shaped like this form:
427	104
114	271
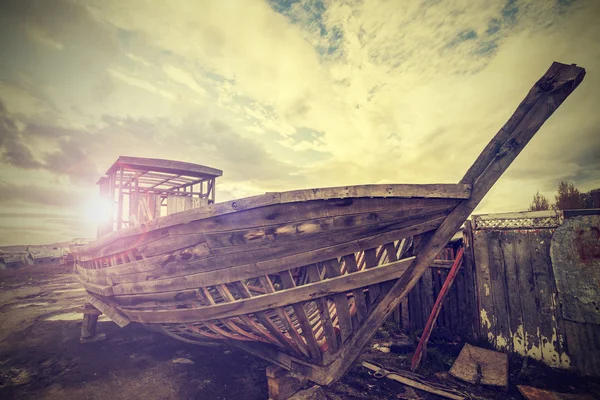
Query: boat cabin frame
138	190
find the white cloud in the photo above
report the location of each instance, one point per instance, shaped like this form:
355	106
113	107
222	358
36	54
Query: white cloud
41	36
140	83
184	78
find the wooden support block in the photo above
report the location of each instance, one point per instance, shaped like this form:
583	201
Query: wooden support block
88	326
282	384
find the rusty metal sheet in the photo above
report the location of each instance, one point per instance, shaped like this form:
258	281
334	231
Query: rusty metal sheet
575	253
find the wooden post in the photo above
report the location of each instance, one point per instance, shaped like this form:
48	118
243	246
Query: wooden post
212	187
88	327
120	204
471	296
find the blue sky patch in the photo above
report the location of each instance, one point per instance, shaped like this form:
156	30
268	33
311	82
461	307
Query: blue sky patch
509	12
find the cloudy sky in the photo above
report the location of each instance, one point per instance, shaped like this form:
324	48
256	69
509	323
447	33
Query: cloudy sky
281	95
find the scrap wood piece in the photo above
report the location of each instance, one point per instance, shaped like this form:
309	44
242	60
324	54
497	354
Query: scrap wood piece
422	346
417	384
531	393
476	365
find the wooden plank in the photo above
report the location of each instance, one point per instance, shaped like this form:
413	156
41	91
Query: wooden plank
164	166
281	339
461	308
296	212
221	271
266	236
427	291
499	291
515	308
323	309
328	239
147	264
102	290
125	244
414	304
298	341
340	300
307	331
487	326
446	312
453	305
170	244
280	298
545	297
358	294
370	258
390	256
527	292
472	308
108	310
420	384
454	191
228	296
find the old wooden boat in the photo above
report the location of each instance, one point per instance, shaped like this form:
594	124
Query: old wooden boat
301	278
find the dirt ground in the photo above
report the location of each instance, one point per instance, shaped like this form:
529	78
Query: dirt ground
41	358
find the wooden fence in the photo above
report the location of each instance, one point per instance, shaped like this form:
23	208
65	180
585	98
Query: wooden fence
533	304
458	314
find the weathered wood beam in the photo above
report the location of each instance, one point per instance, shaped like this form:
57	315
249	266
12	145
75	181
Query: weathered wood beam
108	310
120	203
164	181
446	191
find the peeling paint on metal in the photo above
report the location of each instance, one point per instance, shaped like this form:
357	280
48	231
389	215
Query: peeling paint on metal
485	322
539	348
519	340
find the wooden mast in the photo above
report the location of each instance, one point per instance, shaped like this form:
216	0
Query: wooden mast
540	103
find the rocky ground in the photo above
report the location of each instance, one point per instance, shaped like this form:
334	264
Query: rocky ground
41	358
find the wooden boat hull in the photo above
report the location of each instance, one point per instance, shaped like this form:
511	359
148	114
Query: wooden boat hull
303	278
201	279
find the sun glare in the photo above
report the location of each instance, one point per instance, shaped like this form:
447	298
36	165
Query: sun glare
97	211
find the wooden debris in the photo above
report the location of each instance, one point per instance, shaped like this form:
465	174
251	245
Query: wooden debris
421	385
531	393
476	365
182	361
